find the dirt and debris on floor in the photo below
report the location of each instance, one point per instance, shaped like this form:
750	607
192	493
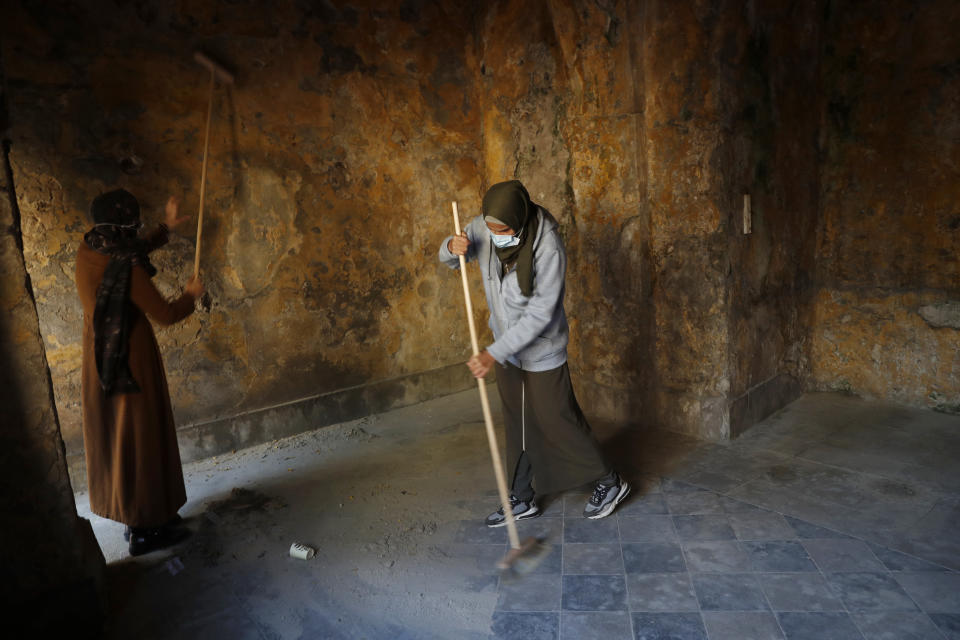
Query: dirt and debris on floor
394	505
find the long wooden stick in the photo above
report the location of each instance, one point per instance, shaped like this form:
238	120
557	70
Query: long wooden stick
203	175
485	402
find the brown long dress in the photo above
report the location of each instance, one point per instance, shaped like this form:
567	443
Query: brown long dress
133	463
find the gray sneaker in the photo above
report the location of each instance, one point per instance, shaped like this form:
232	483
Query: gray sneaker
521	511
605	499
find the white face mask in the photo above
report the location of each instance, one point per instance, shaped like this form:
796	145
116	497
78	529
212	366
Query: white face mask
502	242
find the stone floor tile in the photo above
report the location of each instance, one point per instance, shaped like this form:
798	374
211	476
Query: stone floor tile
941	549
716	556
874	516
596	625
525	626
592	558
594	593
706	527
551	507
550	529
933	592
942	519
668	626
741	625
896	561
634	505
573	503
653	557
475	532
232	624
842	555
660	592
586	530
670	485
778	556
531	593
795	502
644	484
761	526
948	623
712	480
799	592
728	592
807	530
818	626
870	592
854	459
647	529
897	625
693	502
731	505
474	558
552	562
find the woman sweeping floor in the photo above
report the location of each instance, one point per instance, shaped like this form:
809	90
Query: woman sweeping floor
549	443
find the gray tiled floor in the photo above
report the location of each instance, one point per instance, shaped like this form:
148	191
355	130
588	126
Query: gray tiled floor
740	574
750	540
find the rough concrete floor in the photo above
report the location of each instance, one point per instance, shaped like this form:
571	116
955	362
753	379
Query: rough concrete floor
835	518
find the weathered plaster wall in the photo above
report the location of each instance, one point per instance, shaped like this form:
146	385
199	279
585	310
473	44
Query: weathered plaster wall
730	111
562	111
641	125
684	121
771	153
886	319
36	499
333	162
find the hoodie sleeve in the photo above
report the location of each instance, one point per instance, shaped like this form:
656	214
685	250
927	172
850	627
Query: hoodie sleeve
550	265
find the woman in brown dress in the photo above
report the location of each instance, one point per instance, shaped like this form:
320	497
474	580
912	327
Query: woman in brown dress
133	463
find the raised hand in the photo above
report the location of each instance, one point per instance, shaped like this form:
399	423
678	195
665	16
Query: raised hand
171	219
194	287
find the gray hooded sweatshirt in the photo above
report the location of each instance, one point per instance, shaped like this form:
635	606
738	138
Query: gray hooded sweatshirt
530	333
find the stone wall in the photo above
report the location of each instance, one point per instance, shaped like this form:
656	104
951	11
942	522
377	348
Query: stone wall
333	162
562	111
49	554
641	125
771	154
886	315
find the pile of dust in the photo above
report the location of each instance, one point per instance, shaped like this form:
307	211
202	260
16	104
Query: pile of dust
244	514
401	539
330	438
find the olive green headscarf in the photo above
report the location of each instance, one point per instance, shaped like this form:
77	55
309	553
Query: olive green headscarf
509	203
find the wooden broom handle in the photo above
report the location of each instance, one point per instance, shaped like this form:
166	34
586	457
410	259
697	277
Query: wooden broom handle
485	402
203	176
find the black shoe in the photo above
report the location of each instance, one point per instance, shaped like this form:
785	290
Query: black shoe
521	511
151	539
605	499
175	520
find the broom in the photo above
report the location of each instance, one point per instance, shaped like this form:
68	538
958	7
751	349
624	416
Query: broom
523	557
217	72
